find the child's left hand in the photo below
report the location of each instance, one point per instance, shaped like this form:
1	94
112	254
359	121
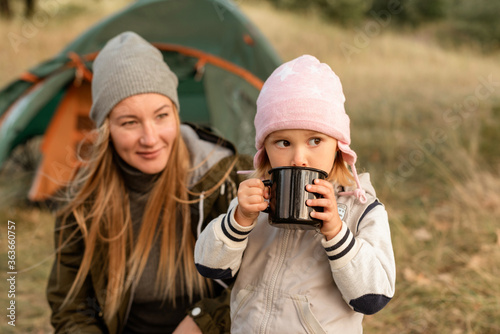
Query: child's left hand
330	215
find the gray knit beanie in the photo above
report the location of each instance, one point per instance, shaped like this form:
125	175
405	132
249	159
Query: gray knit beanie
129	65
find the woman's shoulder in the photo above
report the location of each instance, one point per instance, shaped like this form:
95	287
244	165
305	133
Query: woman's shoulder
210	154
204	146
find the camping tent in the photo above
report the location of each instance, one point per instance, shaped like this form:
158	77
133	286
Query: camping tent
220	57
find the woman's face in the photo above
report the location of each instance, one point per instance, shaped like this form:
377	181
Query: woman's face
304	148
143	129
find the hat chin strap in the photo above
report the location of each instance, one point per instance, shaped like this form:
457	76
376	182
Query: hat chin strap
360	193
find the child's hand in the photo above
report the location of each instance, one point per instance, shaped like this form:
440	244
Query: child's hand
251	201
330	215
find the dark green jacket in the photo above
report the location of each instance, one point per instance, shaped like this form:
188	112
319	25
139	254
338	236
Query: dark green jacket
85	315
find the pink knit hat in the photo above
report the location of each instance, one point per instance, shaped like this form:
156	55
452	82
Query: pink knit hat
305	94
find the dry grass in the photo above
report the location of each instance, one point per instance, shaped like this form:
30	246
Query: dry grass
34	255
424	124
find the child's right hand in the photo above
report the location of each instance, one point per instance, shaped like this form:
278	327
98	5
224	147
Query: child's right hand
252	195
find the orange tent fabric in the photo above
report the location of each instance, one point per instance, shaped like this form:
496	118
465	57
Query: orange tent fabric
66	135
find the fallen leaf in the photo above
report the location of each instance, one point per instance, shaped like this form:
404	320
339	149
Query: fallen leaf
422	234
413	277
476	262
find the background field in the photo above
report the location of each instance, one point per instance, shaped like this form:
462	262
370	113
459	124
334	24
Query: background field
425	123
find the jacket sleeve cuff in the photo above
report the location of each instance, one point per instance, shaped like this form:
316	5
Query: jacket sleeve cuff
342	248
233	234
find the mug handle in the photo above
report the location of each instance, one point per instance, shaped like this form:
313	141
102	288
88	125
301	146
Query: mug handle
267	183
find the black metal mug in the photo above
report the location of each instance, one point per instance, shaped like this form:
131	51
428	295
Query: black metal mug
288	196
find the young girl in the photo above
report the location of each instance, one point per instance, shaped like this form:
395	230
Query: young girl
297	280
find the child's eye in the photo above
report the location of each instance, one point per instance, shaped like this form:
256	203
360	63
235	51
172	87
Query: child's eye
282	143
314	141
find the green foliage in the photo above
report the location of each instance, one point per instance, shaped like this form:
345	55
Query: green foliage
412	12
490	137
476	21
465	21
345	12
291	4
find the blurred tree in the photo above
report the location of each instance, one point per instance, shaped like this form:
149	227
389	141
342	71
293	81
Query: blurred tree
346	12
30	8
464	21
6	11
476	21
413	12
292	4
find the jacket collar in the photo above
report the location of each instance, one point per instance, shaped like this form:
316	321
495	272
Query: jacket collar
205	150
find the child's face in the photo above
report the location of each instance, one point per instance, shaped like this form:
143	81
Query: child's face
304	148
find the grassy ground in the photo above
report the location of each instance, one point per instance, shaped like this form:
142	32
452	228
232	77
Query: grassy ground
424	122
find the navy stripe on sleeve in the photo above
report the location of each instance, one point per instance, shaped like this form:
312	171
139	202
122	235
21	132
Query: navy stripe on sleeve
344	252
231	227
229	235
368	209
213	273
340	243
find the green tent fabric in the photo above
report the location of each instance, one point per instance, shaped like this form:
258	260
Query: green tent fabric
218	91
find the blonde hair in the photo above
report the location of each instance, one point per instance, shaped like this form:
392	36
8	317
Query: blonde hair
100	206
339	174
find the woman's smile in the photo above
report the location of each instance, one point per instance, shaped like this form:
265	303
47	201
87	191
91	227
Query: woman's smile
149	155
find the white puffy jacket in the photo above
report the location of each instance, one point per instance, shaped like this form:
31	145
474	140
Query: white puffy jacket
293	280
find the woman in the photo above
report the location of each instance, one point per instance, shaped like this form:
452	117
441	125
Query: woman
125	237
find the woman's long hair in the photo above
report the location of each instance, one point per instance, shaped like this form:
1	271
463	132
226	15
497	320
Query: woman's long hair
100	206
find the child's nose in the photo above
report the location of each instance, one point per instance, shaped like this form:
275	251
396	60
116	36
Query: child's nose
299	158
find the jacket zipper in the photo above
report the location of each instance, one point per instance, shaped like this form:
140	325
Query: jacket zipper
272	285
